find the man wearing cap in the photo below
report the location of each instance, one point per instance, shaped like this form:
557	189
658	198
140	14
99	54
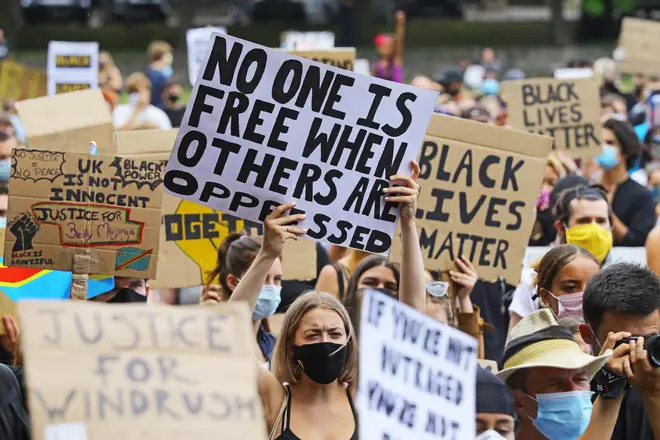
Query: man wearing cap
550	378
451	80
495	409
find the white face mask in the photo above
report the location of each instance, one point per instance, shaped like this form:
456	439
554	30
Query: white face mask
134	98
491	434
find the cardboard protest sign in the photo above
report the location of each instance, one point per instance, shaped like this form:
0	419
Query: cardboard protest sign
132	372
18	81
639	47
417	376
293	40
343	57
197	40
265	128
68	123
64	204
191	234
72	66
479	185
567	110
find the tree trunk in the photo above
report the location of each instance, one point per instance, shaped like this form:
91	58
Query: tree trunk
9	20
186	10
558	27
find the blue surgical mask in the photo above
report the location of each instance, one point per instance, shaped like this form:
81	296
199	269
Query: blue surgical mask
607	159
167	71
563	416
267	303
5	169
490	87
3	222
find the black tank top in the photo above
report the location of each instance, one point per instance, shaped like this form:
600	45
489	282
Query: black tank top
287	434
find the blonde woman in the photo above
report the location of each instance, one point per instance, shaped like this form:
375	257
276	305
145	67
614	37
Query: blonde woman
316	353
109	74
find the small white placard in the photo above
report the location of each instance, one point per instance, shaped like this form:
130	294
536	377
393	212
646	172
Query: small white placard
72	66
66	431
197	40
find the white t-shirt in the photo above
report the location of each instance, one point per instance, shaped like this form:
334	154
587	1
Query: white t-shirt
522	303
123	113
640	177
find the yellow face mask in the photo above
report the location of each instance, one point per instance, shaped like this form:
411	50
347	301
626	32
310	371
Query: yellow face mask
592	237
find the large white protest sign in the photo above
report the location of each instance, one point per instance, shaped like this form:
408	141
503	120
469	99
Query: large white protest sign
264	127
72	66
417	376
197	41
294	40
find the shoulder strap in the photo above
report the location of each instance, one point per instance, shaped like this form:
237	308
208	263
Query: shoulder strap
285	401
342	276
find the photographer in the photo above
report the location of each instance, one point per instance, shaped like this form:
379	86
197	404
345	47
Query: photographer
625	298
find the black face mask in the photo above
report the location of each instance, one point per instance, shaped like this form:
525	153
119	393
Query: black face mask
127	295
318	361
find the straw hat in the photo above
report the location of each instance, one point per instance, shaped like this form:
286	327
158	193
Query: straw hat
538	341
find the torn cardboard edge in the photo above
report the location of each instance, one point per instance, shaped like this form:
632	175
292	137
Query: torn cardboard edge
68	122
489	136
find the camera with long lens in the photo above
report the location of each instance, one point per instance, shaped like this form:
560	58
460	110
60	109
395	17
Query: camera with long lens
651	345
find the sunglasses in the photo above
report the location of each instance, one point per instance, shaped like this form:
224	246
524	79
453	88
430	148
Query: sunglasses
437	289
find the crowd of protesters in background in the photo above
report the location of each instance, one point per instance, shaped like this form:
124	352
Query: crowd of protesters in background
576	321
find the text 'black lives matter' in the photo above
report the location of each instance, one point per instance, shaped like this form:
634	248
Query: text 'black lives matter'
555	110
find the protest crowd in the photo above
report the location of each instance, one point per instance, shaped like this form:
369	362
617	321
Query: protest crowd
302	251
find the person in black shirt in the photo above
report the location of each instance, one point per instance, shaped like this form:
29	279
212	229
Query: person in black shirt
632	204
174	108
626	298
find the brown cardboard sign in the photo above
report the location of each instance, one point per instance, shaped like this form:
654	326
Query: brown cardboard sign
18	81
479	184
191	234
63	204
130	372
68	122
342	57
639	46
567	110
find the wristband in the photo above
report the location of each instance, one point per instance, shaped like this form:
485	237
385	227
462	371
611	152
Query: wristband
610	385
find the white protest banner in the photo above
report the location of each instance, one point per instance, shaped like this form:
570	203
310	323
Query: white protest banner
574	72
362	66
72	66
197	40
264	127
637	255
417	376
294	40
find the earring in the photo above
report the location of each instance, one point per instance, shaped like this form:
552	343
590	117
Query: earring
297	370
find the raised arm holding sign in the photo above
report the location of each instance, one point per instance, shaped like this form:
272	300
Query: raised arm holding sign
265	128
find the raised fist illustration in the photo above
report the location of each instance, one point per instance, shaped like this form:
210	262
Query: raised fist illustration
24	228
